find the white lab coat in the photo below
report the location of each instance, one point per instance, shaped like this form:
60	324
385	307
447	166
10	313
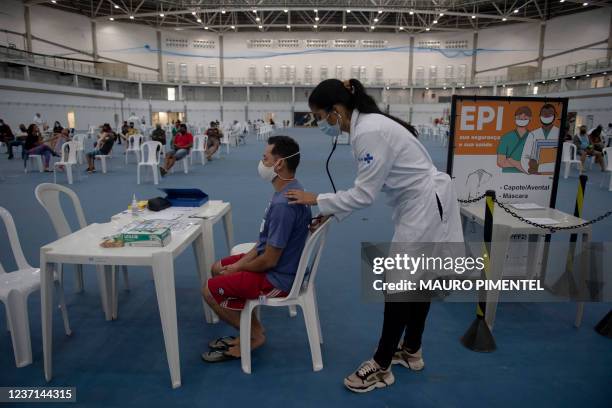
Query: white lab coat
390	159
529	149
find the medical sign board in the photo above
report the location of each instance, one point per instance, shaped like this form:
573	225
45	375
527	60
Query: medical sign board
508	144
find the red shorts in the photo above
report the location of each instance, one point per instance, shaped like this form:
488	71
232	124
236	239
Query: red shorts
232	291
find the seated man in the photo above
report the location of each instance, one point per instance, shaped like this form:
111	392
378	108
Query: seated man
268	269
106	139
585	148
214	140
181	145
19	141
159	134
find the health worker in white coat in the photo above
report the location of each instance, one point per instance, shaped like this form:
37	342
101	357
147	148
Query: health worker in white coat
390	159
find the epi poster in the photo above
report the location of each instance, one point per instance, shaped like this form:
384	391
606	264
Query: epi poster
508	144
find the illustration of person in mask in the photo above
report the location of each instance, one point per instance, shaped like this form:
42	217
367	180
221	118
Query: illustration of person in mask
540	149
510	148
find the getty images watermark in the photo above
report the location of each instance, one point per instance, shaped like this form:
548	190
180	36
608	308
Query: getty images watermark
520	271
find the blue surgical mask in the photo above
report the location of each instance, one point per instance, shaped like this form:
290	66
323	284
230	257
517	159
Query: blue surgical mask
330	130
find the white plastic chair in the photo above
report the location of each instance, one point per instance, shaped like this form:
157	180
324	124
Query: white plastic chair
134	143
225	140
103	158
48	195
302	293
150	153
80	140
607	154
37	159
568	157
199	147
15	287
68	159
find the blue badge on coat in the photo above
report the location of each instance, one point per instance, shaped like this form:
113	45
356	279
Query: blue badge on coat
368	158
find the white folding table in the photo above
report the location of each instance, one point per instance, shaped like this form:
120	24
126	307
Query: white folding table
504	226
83	247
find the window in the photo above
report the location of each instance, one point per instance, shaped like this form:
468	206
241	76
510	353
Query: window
308	74
171	72
200	73
535	90
323	72
183	72
339	73
267	74
252	74
71	120
171	94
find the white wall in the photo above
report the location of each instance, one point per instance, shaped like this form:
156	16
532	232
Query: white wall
11	18
126	42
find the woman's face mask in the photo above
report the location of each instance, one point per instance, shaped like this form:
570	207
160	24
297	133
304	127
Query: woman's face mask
521	122
330	130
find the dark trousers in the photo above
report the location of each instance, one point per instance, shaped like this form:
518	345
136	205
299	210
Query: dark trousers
406	318
15	143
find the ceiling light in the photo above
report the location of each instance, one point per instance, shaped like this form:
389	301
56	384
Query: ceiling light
288	26
131	17
435	21
233	27
427	88
411	12
573	77
463	87
427	29
254	11
206	27
387	88
53	1
199	20
588	75
604	73
222	11
556	80
116	6
480	86
371	27
193	12
444	87
315	26
257	19
316	18
260	27
379	11
561	1
401	28
316	11
376	20
585	4
504	85
286	11
473	17
161	14
504	19
111	19
516	11
441	14
344	27
348	11
528	83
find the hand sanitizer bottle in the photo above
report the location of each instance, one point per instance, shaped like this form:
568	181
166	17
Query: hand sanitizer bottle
134	205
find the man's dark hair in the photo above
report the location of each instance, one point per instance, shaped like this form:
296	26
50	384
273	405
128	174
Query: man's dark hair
548	106
285	146
183	126
213	124
132	124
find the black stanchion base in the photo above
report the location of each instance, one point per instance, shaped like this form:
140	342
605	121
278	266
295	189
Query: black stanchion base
604	327
478	337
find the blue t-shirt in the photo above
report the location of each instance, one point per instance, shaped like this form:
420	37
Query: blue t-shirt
286	227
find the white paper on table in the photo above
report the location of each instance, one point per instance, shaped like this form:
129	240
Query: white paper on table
171	213
527	206
543	221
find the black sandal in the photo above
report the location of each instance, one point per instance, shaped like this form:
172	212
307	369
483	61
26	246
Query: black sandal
221	343
218	356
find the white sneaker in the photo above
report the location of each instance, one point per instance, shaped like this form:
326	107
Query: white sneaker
369	376
413	361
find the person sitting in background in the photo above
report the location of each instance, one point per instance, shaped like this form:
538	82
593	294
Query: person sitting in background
585	148
47	133
159	134
176	129
34	144
124	130
608	135
596	139
181	145
19	141
104	145
57	127
38	120
269	269
214	140
58	139
6	134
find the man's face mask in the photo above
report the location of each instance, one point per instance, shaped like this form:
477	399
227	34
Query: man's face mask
330	130
547	119
267	172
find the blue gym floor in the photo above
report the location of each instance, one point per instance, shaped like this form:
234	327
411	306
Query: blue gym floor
542	360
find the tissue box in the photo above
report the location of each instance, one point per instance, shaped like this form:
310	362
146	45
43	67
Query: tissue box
146	234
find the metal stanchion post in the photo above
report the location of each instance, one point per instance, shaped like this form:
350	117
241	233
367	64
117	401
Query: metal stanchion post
478	336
